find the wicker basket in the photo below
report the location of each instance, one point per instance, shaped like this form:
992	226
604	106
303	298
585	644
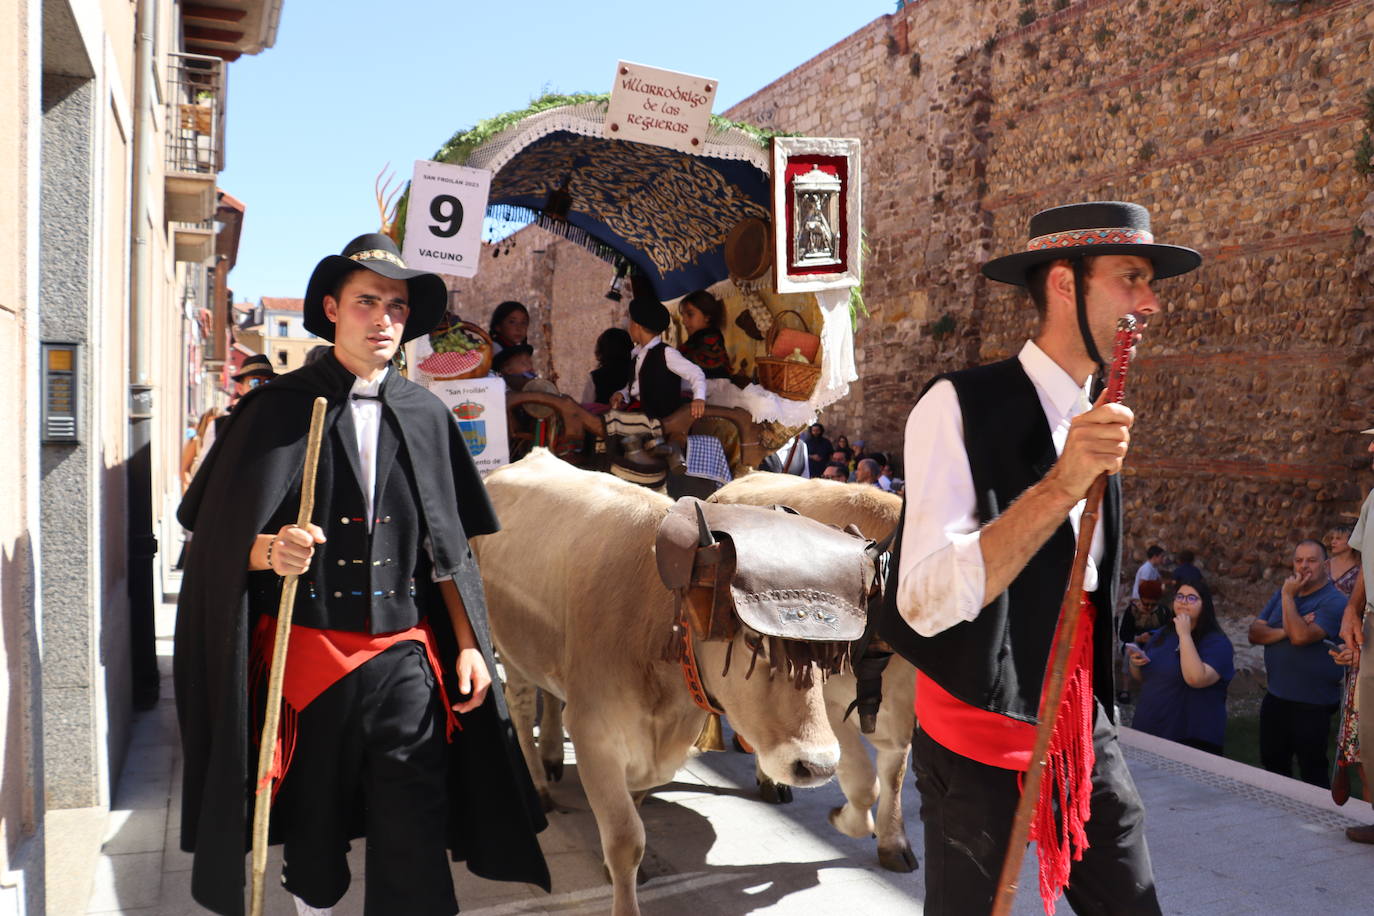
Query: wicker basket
785	378
794	381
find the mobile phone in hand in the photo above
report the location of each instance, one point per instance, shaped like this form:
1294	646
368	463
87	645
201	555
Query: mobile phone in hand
1334	644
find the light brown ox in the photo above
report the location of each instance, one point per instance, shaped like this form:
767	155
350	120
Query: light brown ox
578	609
875	513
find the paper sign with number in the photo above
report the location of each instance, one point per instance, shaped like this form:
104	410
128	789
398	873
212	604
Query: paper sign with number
444	218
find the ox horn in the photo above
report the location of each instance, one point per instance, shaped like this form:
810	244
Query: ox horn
706	539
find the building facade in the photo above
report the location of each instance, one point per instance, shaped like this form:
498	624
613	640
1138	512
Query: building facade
113	307
275	328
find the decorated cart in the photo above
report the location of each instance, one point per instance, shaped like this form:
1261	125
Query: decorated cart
770	224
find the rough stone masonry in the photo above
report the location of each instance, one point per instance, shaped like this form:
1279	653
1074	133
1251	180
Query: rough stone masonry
1238	124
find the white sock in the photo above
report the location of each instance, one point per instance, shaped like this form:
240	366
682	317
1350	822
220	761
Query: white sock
304	909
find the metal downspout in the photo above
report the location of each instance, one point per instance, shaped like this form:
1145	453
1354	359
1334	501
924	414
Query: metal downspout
142	547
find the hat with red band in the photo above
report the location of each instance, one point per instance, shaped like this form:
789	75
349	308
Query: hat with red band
1088	229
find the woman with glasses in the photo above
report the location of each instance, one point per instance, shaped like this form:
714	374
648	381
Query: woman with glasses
1184	670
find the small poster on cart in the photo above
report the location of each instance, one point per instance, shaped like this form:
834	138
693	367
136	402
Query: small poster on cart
444	218
479	406
660	107
816	209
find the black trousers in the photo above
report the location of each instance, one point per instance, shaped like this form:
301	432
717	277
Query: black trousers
968	807
370	760
1291	729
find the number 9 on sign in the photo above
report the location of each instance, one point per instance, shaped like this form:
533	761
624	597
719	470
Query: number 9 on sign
448	210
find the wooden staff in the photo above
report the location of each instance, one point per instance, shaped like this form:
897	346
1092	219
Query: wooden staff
1070	613
267	747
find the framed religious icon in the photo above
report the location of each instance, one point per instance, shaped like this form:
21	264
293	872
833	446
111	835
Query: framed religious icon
816	212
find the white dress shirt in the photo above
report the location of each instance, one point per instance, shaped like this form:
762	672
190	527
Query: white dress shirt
941	579
367	422
690	373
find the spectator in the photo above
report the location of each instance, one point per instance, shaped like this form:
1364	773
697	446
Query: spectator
1142	618
510	325
197	445
884	479
615	366
1186	573
1343	560
836	471
1354	632
842	445
1184	670
1149	570
868	472
1343	566
818	448
1304	681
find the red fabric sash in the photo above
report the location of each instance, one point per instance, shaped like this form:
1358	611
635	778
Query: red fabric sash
315	661
996	740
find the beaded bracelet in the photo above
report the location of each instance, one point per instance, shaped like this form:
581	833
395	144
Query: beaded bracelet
270	545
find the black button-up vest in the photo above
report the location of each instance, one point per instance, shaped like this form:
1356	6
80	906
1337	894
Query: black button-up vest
369	582
997	661
660	388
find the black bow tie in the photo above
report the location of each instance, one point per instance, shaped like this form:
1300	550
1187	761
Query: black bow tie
367	397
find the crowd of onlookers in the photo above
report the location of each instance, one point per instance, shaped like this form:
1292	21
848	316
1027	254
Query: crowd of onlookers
838	460
1174	649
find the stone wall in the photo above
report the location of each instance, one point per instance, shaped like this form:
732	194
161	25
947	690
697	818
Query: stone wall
563	286
1237	123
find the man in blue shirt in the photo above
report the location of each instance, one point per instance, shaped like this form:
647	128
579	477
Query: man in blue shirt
1304	681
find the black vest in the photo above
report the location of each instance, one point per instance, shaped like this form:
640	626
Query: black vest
997	661
358	580
660	388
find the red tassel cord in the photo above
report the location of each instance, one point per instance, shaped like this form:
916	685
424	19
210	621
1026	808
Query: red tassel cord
1064	806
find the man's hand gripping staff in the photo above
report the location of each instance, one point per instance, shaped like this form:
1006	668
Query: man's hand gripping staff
1095	448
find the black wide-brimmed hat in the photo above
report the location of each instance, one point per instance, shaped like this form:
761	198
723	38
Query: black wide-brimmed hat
257	364
1089	229
428	299
649	313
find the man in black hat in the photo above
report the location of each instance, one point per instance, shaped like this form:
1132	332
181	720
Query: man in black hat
389	625
255	370
999	459
660	371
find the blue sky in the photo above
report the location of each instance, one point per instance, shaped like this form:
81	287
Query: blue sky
351	86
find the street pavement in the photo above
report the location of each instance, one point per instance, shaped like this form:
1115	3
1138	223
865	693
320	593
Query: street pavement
1226	839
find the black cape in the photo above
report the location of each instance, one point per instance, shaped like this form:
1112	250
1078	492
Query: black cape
254	466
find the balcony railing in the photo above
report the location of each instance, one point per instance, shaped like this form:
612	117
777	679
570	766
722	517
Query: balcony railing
195	117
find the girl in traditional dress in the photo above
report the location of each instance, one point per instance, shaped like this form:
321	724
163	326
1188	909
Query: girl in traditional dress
702	315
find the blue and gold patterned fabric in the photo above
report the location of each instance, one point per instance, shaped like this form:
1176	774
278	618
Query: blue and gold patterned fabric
668	213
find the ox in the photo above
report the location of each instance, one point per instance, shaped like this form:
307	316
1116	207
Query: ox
875	513
575	585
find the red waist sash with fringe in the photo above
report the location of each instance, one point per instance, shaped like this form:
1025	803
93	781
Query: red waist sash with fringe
317	660
995	740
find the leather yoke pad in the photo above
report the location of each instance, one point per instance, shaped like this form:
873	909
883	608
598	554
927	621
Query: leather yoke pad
794	577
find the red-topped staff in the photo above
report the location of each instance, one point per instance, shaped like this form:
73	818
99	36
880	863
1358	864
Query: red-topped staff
1066	634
